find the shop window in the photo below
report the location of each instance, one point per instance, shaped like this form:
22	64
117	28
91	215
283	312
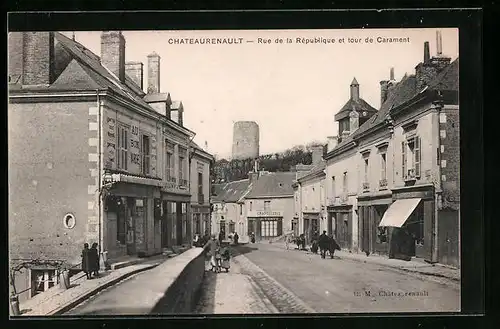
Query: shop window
415	225
42	280
269	228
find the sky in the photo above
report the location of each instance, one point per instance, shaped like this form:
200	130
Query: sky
292	90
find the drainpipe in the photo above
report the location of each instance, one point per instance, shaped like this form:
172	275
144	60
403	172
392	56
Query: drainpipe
100	209
438	192
189	214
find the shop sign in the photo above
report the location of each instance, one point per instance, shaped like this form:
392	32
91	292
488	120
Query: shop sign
265	213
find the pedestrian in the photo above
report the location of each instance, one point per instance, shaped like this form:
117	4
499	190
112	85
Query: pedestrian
332	246
94	259
236	238
323	241
213	247
86	260
221	236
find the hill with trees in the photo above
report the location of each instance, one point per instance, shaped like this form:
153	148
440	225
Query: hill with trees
232	170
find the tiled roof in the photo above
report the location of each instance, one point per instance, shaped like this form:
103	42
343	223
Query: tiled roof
402	92
272	184
359	105
91	63
447	79
158	97
230	192
316	169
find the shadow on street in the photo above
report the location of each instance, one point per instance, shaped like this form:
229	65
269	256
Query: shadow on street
245	248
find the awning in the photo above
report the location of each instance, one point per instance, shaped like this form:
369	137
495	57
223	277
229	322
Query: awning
398	212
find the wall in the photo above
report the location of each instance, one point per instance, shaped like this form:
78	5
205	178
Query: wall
245	140
346	162
373	148
49	176
427	130
199	164
311	195
449	122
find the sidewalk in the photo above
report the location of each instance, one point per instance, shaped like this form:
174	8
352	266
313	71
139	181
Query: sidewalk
416	265
56	300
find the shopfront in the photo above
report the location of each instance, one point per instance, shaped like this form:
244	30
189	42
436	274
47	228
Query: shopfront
265	224
373	238
311	225
410	221
341	217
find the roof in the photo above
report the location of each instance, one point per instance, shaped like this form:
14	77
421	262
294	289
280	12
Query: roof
157	97
358	105
91	65
231	192
272	184
354	82
198	148
318	168
404	91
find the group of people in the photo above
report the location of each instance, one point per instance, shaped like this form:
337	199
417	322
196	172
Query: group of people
90	260
322	242
220	254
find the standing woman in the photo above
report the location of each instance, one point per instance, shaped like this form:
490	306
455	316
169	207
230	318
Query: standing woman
86	266
95	259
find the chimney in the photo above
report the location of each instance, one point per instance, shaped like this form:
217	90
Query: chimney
332	142
135	71
317	154
31	58
113	53
353	121
153	73
426	71
354	90
383	91
439	44
427	54
391	76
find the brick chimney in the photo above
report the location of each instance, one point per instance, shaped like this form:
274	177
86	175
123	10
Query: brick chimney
113	53
353	121
425	71
317	154
135	71
354	90
440	61
31	58
153	73
332	142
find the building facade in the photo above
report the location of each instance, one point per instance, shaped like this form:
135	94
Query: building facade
104	183
200	189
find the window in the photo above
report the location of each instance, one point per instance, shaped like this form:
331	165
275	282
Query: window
241	209
146	156
200	183
366	170
269	228
169	162
122	148
333	187
42	280
345	182
411	158
383	166
182	169
267	205
250	208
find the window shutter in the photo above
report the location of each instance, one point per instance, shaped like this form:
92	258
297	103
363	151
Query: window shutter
403	155
417	156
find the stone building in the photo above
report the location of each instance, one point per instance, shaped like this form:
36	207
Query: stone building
245	140
91	156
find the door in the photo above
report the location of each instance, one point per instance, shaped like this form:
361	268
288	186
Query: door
365	229
130	211
307	231
164	225
178	220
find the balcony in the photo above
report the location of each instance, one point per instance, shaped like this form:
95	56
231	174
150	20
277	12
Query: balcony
366	186
183	183
410	175
201	198
382	183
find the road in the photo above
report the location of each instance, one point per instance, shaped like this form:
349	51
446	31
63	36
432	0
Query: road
267	278
342	286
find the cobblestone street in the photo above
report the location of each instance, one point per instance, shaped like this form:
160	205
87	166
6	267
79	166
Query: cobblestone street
300	282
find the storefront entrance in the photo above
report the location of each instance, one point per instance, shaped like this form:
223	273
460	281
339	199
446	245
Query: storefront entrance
341	218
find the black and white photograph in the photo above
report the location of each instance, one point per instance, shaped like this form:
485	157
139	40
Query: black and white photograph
209	172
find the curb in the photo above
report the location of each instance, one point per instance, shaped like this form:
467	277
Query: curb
89	294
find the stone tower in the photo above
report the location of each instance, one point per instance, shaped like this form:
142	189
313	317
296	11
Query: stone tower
245	140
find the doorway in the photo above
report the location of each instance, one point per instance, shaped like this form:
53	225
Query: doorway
130	212
164	226
178	219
